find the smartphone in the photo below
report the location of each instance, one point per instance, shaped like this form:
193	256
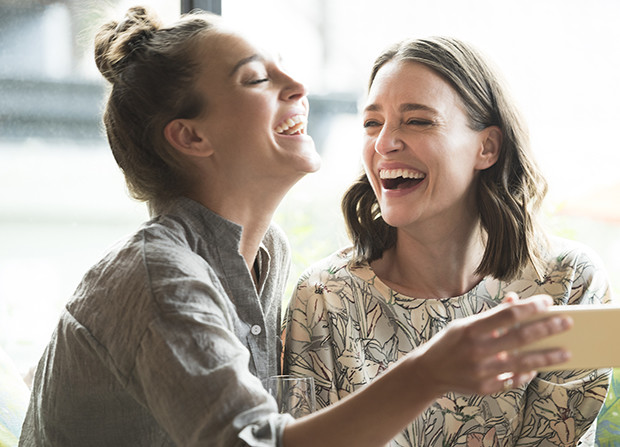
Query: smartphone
594	339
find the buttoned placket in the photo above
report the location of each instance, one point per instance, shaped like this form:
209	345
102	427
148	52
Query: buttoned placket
237	280
249	310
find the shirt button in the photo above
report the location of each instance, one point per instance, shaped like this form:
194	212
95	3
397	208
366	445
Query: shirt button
256	329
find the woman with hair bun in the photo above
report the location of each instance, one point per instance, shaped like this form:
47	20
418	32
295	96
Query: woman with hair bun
167	338
443	224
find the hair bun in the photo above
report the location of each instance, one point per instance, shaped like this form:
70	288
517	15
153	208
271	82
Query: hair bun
117	40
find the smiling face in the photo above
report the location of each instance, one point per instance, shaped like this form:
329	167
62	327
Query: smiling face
255	116
420	155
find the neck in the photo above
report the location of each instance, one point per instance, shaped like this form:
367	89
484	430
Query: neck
440	267
253	212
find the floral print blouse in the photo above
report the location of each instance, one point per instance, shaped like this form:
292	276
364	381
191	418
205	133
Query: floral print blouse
344	326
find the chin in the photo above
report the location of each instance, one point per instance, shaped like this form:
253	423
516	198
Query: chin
395	219
315	165
309	161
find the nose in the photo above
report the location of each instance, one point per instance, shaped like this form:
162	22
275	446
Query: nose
292	89
388	140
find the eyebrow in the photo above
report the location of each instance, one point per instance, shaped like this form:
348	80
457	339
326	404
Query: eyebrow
244	61
407	107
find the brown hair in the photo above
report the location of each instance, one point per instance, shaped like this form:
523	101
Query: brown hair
509	193
152	70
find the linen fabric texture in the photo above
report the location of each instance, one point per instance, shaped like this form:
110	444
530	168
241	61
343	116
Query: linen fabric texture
165	342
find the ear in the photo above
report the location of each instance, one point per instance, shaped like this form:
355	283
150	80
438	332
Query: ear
490	146
185	137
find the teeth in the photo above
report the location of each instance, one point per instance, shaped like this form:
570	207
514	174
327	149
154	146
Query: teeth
292	125
396	173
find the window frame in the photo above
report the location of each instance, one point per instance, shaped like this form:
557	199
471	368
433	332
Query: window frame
214	6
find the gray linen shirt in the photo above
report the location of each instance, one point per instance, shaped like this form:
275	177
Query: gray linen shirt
165	342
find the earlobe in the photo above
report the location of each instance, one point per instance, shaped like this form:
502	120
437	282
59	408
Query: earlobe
490	147
184	137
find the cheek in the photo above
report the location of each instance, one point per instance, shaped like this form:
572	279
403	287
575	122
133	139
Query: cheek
370	173
368	153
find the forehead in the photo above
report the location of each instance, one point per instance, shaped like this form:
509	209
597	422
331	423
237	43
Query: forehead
223	49
411	82
221	56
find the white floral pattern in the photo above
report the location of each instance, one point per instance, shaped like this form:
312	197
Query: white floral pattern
344	327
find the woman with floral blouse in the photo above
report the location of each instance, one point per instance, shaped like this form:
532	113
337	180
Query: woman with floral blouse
443	227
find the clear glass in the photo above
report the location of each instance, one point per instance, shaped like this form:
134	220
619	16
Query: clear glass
294	395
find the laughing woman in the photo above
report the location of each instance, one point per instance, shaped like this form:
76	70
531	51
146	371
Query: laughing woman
443	225
167	338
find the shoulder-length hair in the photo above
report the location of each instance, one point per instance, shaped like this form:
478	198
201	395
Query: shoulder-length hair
509	193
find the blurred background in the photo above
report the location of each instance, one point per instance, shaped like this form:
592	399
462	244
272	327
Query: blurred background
63	201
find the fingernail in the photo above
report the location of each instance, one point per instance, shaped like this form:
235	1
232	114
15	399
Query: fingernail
567	322
561	322
526	377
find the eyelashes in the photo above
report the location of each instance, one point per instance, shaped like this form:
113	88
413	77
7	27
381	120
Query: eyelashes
371	123
412	122
257	81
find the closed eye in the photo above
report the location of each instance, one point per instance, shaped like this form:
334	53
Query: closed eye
371	123
257	81
418	122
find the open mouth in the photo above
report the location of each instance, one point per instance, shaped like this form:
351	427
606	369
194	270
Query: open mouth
295	125
400	178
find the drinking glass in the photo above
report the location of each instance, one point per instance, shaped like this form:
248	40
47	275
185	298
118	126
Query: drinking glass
294	395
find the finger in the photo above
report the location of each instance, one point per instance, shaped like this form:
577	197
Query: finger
510	297
523	378
524	334
521	365
509	314
519	362
526	361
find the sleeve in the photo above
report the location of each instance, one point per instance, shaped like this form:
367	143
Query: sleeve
192	373
563	405
309	348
